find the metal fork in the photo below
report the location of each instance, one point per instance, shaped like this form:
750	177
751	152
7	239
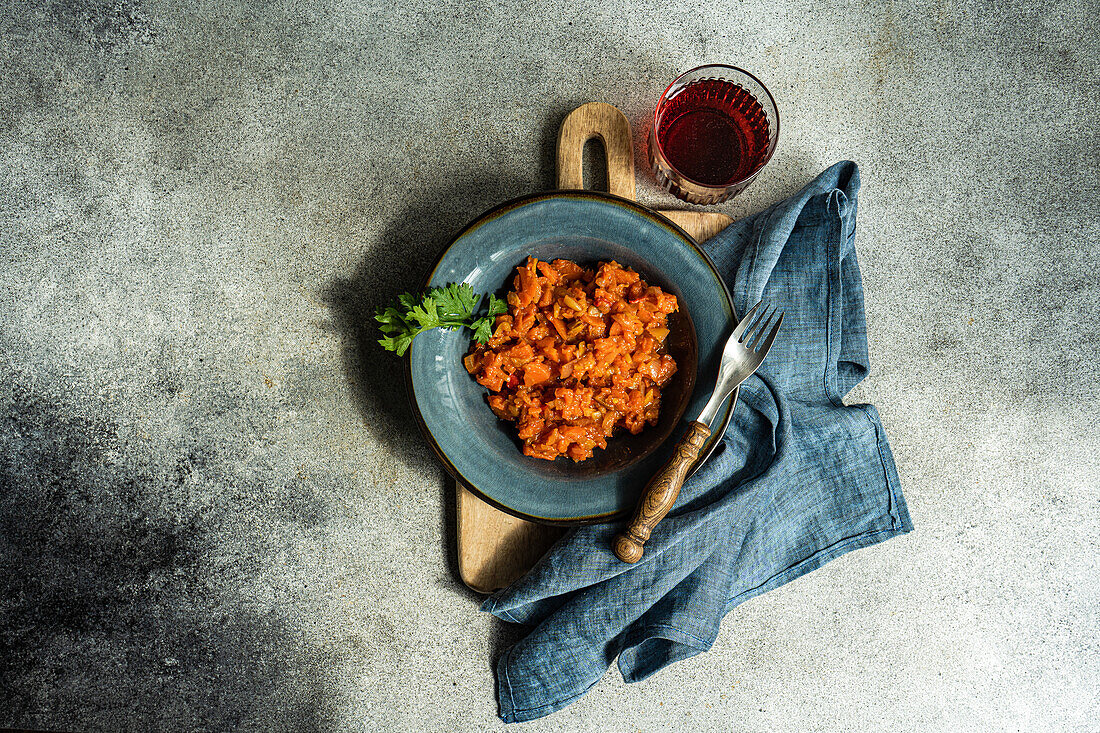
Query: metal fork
744	351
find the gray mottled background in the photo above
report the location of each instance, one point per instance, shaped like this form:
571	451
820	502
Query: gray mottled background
215	512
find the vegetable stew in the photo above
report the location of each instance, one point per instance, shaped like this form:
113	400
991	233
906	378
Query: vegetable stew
578	355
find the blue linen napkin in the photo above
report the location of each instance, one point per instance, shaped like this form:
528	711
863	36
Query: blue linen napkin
799	478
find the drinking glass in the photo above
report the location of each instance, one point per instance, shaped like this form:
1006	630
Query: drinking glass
713	130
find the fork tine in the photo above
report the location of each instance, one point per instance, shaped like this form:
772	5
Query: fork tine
763	348
755	323
759	327
745	322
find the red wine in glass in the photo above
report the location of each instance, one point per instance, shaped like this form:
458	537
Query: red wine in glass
711	134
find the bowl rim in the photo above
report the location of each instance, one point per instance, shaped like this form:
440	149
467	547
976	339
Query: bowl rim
496	212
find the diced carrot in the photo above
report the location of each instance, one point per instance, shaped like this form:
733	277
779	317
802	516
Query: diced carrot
529	289
574	433
659	333
567	269
535	373
524	322
547	271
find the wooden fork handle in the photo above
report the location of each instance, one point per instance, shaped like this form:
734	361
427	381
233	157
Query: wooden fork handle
660	494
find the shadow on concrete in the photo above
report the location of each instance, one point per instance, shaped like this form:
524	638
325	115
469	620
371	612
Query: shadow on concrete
115	614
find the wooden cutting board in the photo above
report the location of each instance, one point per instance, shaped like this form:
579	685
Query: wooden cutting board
495	548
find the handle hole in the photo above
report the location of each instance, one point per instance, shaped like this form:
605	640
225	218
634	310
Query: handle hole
594	165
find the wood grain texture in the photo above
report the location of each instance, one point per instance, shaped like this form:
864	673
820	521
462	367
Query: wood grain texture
495	548
597	120
660	494
701	225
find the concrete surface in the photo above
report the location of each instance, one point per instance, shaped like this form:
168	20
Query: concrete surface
215	512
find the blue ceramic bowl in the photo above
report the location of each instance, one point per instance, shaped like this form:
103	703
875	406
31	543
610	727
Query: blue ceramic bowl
587	227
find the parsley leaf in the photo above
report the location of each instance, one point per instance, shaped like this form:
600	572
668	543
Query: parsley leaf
497	306
426	314
458	301
483	330
449	307
483	327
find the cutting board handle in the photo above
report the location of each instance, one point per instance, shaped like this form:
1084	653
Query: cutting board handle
603	121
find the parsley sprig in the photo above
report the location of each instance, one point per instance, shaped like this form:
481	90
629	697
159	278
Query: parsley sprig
449	307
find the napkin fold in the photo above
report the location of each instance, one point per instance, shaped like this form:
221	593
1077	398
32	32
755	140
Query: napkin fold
798	479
